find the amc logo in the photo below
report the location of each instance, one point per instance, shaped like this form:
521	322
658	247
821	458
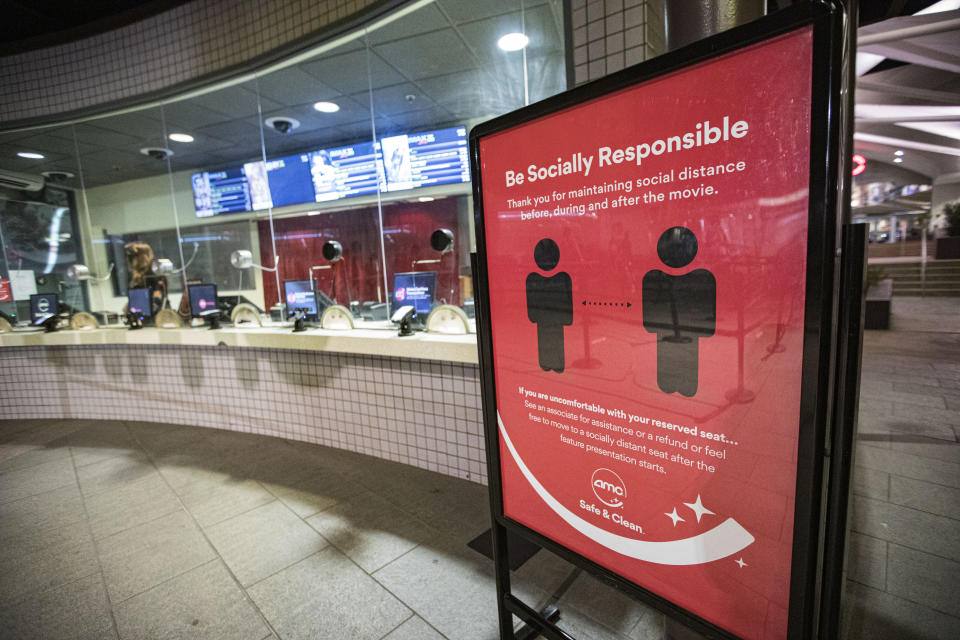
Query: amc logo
608	487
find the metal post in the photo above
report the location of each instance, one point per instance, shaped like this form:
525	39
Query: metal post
688	22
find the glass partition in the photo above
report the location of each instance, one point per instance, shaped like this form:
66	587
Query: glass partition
323	173
454	64
216	142
40	230
344	169
125	165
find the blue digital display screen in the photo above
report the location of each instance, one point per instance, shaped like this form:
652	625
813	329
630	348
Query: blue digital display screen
203	298
394	163
425	159
138	302
289	180
43	305
299	295
216	192
415	288
345	171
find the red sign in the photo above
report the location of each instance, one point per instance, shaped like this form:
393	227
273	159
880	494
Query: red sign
859	164
5	295
646	255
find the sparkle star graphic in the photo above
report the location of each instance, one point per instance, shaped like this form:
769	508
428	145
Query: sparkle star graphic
674	516
698	508
740	562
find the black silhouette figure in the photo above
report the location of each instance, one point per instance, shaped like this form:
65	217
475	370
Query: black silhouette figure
549	305
680	310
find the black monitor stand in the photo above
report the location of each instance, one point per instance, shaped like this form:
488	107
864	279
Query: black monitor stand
48	322
212	318
299	320
134	321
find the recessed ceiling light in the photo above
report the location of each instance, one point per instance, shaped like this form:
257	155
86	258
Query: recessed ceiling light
513	41
30	155
898	152
326	107
425	199
181	137
898	160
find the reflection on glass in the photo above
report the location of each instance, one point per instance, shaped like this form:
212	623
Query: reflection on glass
40	239
361	144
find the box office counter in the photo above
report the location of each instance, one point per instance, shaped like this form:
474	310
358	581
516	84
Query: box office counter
363	341
414	400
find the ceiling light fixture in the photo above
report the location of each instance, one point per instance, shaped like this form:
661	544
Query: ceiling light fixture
30	155
425	199
326	107
898	152
906	144
898	160
906	112
181	137
513	41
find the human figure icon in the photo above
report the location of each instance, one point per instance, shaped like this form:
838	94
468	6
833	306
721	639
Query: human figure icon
680	309
549	305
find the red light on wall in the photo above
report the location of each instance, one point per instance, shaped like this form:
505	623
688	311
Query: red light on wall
859	164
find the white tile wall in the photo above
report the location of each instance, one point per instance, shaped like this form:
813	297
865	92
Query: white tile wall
609	35
184	43
418	412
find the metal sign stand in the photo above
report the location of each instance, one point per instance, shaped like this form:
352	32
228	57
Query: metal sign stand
823	383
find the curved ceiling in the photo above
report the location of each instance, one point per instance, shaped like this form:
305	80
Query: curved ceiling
910	100
34	24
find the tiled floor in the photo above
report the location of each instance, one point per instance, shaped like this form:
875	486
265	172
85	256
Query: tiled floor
904	567
130	530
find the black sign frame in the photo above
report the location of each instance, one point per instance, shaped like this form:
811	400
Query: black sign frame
817	390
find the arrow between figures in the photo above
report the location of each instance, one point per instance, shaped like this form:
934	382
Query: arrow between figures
609	304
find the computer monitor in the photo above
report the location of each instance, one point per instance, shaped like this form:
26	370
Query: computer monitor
299	294
203	297
415	288
43	305
138	302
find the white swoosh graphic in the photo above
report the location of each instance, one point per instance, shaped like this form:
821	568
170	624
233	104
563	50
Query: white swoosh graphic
723	540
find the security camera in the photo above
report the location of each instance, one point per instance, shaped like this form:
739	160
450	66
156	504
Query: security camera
410	98
282	125
157	153
57	176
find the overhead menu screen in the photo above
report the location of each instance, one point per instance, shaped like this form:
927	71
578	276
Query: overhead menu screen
424	159
344	172
394	163
289	180
216	192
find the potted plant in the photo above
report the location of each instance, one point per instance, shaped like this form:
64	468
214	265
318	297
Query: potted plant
948	248
878	299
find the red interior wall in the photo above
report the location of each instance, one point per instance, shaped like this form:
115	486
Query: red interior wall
359	275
